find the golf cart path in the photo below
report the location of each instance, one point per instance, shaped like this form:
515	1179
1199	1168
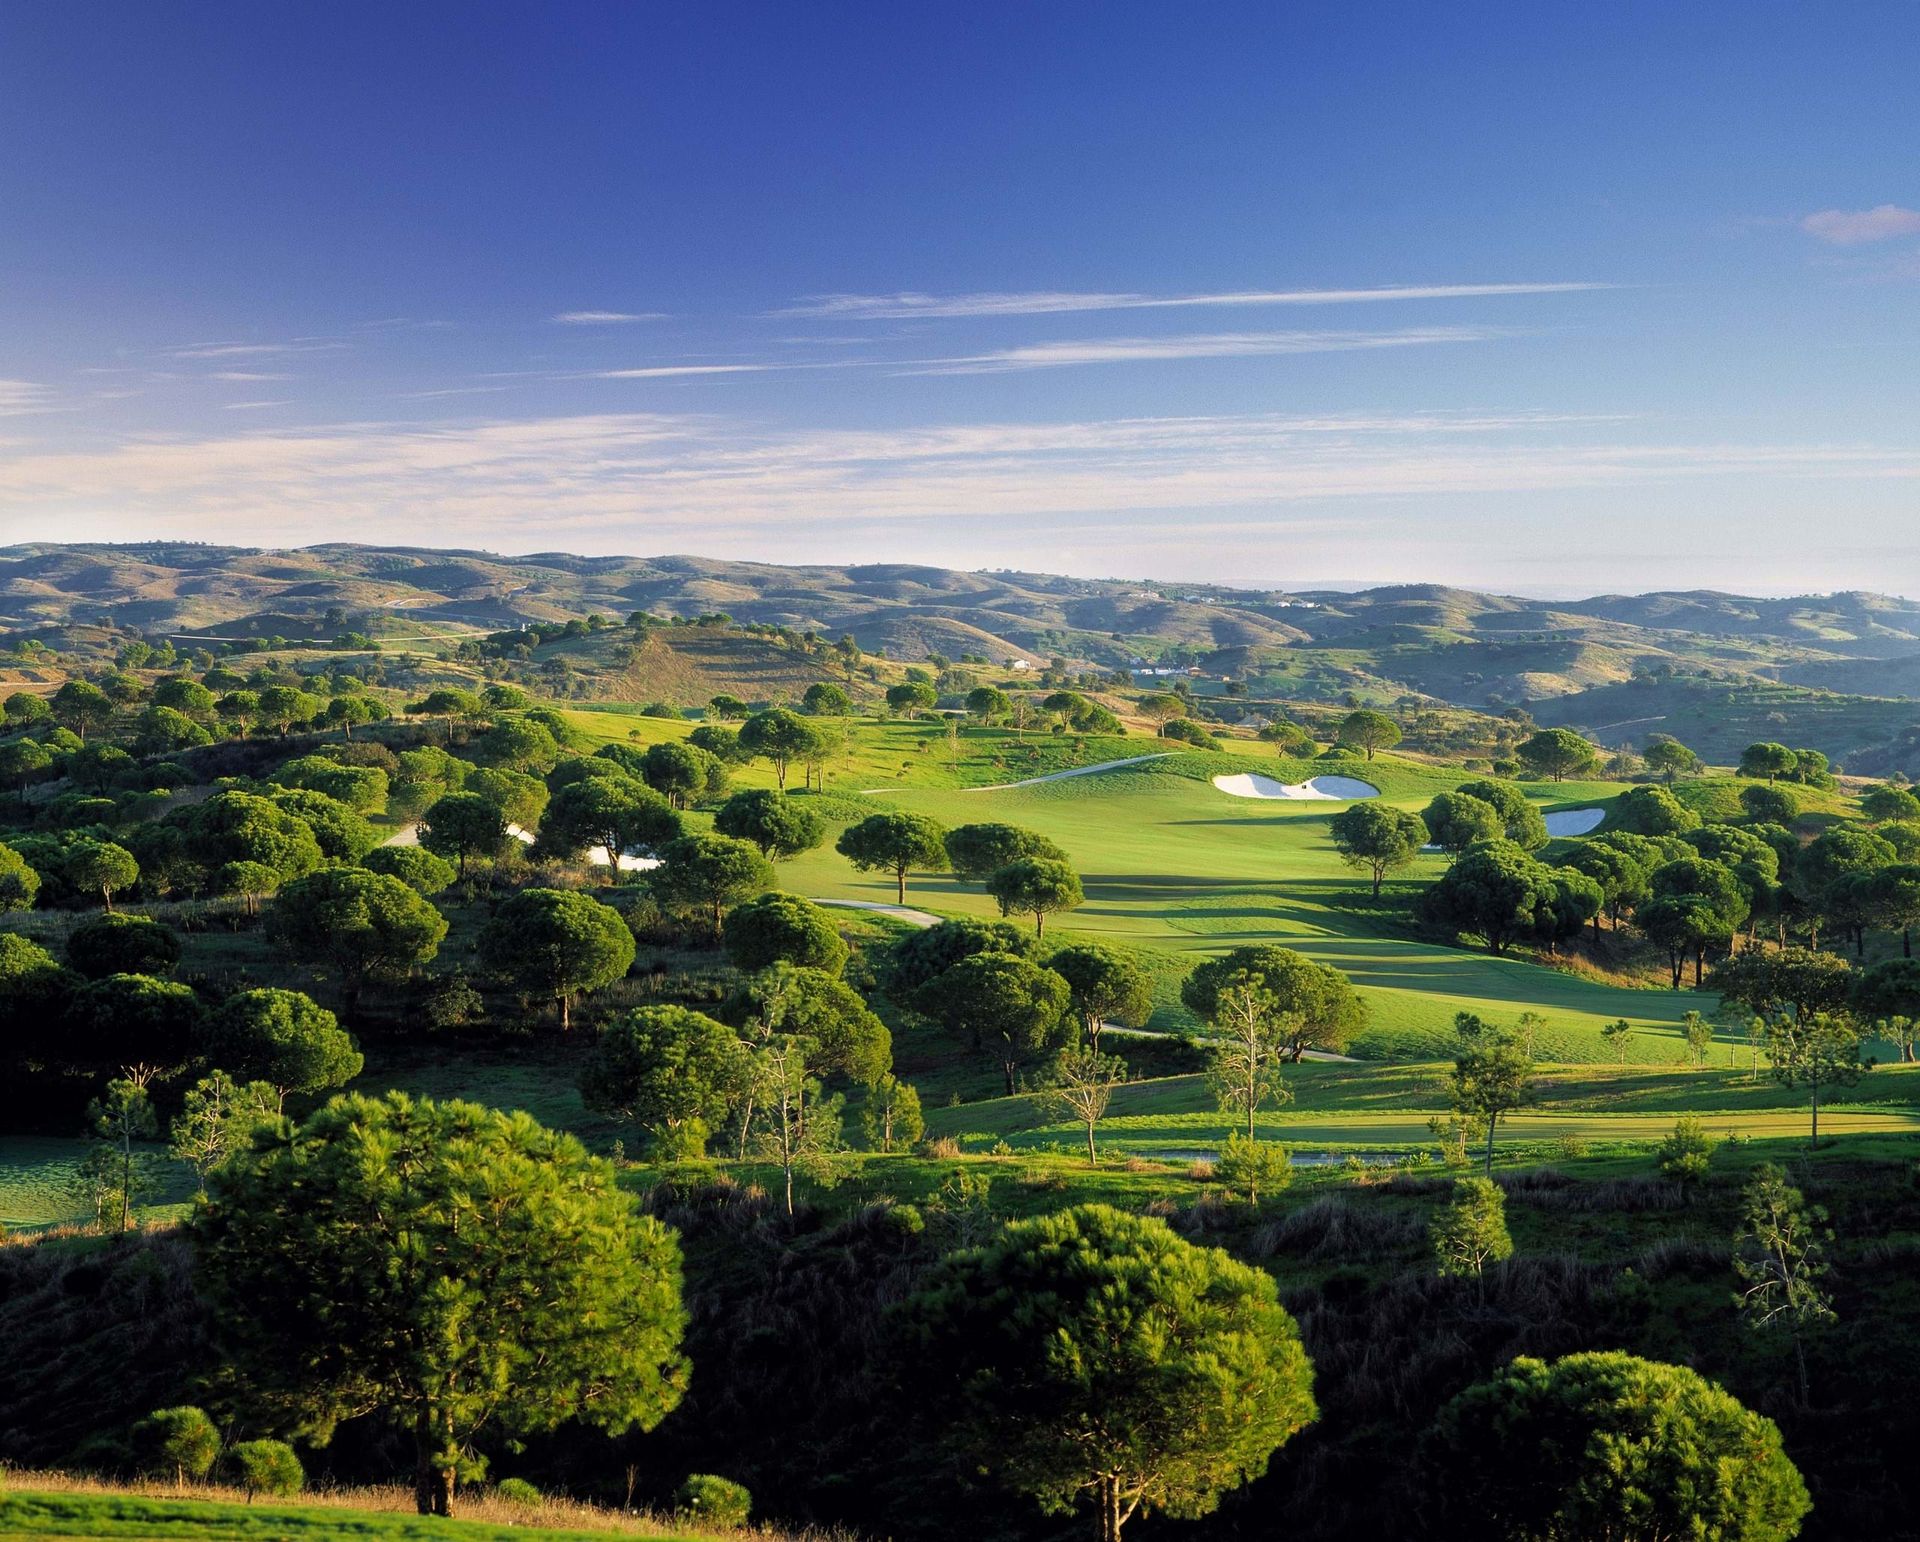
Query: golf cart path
1052	776
920	918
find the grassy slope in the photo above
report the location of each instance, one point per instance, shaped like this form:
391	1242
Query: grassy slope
1388	1106
39	1514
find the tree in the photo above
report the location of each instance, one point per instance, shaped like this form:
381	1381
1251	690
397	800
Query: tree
896	844
977	851
1105	986
678	772
1471	1231
1496	890
281	706
102	868
1794	982
788	1122
1253	1166
1769	804
1883	803
988	704
1622	878
557	943
362	788
22	760
1520	821
783	929
1607	1445
449	704
463	825
1780	1256
1037	887
1287	739
266	1467
1698	1033
920	956
182	1441
673	1072
1065	706
911	697
121	1123
1457	821
609	811
1669	759
342	713
779	736
19	882
520	798
162	730
1821	1052
1768	760
341	834
1095	1355
825	700
419	869
1490	1079
80	707
122	945
361	925
1370	731
1319	1002
1376	840
450	1266
891	1114
216	1120
780	825
1014	1009
22	709
1080	1086
283	1038
1888	995
1558	753
725	708
1243	1067
1616	1034
1652	811
709	873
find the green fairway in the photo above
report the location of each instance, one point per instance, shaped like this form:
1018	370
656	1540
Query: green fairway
1355	1107
38	1182
1171	863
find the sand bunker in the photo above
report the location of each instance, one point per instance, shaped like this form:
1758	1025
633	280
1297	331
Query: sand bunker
1575	821
1323	789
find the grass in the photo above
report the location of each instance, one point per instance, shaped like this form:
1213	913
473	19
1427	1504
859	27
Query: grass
54	1505
37	1182
1387	1107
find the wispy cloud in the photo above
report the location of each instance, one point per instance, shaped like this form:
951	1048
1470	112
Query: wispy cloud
1214	345
244	374
251	350
908	305
251	406
668	371
1857	227
607	480
19	397
606	318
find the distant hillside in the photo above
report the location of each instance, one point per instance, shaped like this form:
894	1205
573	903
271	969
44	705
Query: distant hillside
1836	671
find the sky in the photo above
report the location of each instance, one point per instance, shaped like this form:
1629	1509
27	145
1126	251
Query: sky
1547	299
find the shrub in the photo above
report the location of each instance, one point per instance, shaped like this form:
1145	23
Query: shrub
718	1501
122	945
1684	1153
266	1467
518	1491
1253	1166
182	1441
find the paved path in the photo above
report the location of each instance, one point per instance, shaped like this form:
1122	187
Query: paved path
1059	776
920	918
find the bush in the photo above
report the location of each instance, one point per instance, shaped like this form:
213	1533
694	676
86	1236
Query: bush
1684	1154
1253	1167
518	1491
266	1467
119	944
719	1501
181	1441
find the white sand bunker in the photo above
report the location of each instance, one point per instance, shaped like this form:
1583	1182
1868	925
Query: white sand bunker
1575	821
1324	789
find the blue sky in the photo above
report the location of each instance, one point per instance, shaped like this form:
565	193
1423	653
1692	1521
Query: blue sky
1542	298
